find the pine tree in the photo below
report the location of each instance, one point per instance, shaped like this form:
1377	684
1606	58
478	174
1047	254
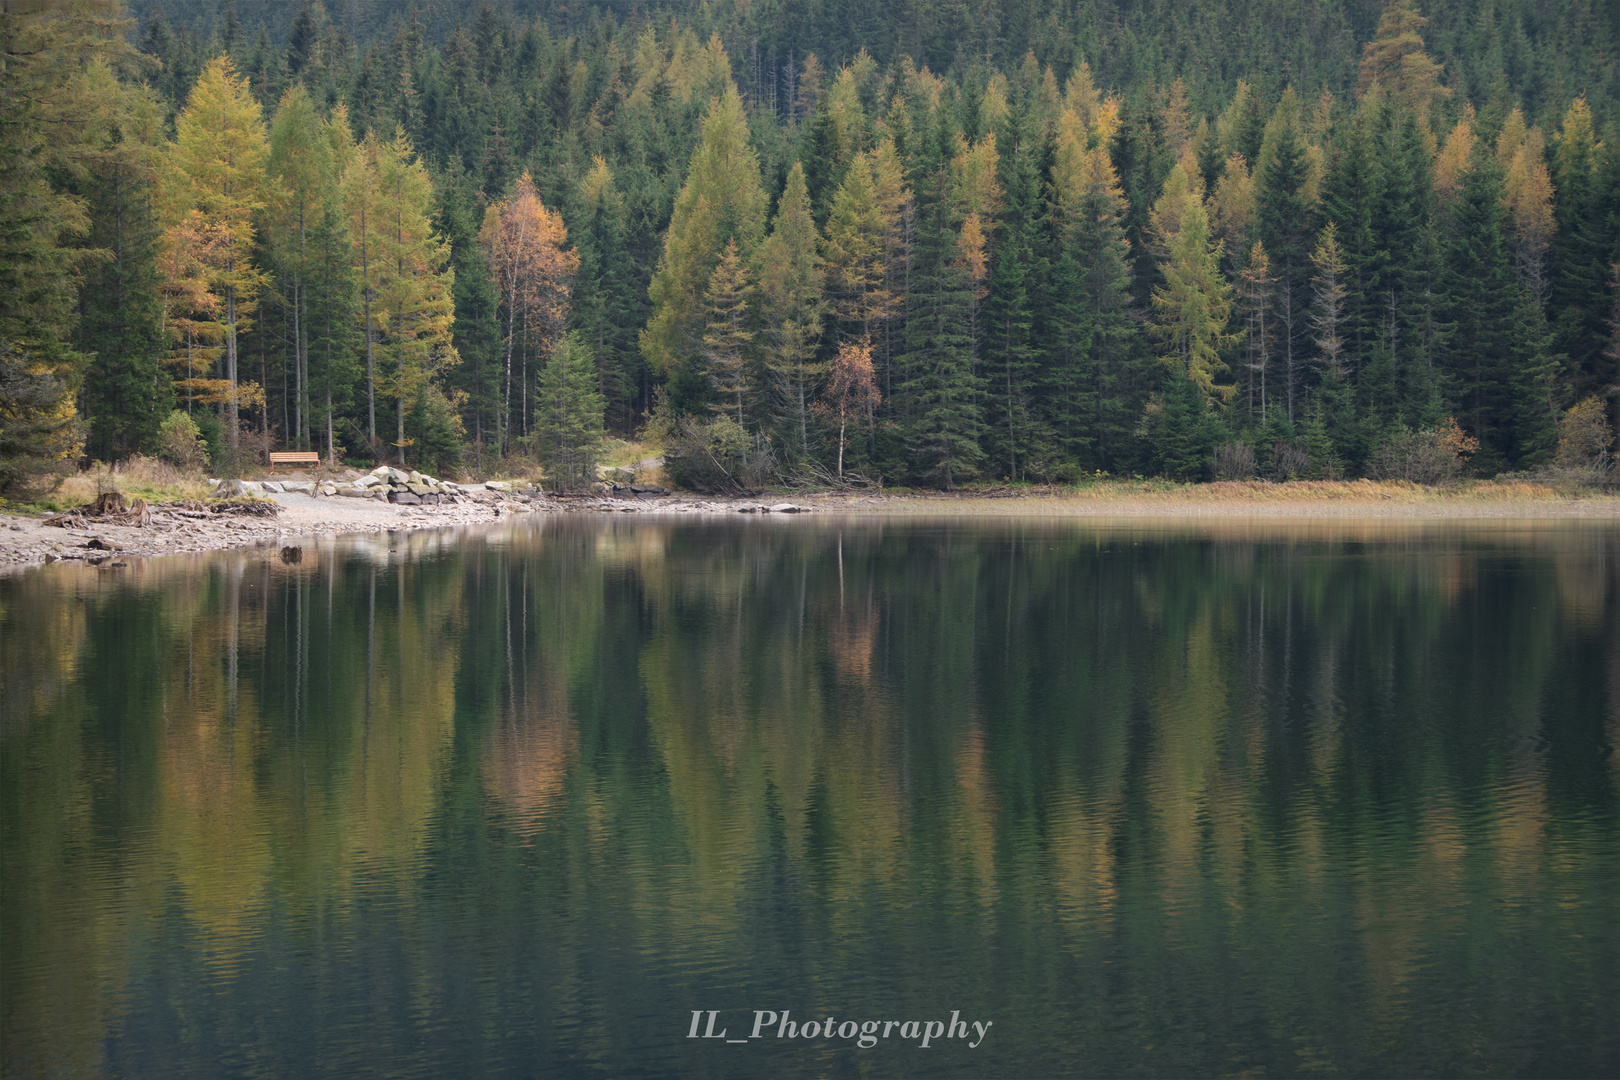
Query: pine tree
1581	250
216	170
1009	353
791	280
1284	217
569	413
127	393
476	332
721	202
854	252
605	306
1350	197
1193	306
727	341
1482	295
941	392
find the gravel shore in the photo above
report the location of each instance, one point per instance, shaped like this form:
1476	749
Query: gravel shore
26	540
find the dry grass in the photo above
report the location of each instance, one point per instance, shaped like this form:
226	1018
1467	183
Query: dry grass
139	478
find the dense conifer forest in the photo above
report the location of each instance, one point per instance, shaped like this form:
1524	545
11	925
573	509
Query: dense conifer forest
930	243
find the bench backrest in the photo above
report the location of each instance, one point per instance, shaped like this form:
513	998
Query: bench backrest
294	455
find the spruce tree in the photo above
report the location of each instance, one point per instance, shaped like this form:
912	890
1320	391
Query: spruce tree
1284	218
569	413
1009	353
606	310
476	332
1581	250
127	393
1481	298
941	392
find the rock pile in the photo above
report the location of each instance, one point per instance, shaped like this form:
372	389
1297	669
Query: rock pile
384	484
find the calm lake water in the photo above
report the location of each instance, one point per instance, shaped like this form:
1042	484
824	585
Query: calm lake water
1149	799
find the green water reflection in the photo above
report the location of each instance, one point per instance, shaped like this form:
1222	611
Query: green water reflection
1157	801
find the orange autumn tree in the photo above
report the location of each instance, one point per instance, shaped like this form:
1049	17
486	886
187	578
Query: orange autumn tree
523	243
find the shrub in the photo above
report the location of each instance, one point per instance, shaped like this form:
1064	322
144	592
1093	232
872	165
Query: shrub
181	443
1289	460
1424	457
1584	438
717	456
1234	461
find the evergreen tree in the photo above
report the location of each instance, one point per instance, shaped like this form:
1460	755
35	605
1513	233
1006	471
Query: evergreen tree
569	413
791	283
1009	351
127	393
941	392
476	333
1284	219
1192	308
606	310
727	341
721	202
1481	299
1581	250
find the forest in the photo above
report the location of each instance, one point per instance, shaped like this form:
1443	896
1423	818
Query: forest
931	243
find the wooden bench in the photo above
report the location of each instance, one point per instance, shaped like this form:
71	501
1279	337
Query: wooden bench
295	457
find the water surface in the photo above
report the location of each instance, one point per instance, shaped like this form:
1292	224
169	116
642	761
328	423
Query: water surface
1155	799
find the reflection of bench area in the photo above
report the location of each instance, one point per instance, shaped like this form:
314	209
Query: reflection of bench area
295	457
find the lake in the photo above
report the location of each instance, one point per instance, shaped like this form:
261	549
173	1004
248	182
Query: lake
567	797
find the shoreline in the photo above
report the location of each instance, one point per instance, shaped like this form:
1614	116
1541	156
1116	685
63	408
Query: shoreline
25	540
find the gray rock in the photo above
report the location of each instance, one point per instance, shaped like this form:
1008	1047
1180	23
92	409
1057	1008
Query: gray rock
786	508
328	488
299	487
229	489
271	486
749	509
355	492
405	498
498	485
398	477
371	480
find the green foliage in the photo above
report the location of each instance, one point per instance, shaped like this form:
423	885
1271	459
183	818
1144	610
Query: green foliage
568	417
180	442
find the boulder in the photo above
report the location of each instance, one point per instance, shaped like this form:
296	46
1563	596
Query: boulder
299	487
416	488
398	477
228	489
648	489
786	508
405	498
355	492
498	485
370	480
749	509
328	488
270	486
